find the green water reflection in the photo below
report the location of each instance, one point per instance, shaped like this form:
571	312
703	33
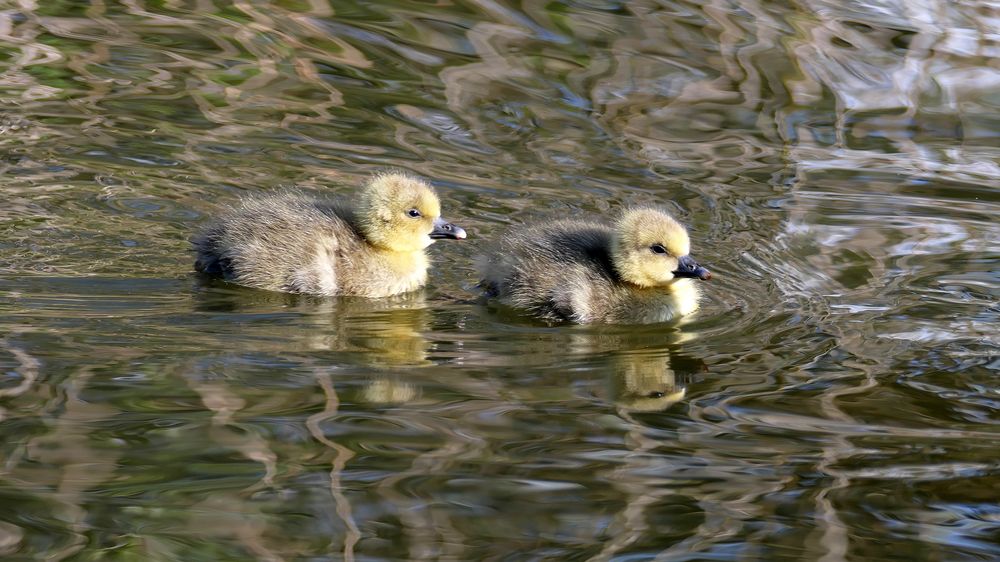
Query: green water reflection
836	398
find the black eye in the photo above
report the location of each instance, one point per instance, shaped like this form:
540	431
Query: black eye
656	394
413	213
658	249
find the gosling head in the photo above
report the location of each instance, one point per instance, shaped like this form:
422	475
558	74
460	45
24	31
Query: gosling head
650	249
401	213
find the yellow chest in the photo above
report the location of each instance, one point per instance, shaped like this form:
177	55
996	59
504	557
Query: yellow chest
664	304
398	272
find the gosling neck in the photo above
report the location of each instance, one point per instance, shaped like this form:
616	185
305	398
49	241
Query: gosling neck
402	260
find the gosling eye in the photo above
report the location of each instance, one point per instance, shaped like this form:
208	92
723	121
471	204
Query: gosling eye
656	394
658	249
413	213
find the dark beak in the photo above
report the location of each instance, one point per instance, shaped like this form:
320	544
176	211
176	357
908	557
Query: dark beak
444	229
687	267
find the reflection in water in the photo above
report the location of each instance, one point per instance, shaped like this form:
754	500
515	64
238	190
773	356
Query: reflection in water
644	384
835	398
383	334
375	332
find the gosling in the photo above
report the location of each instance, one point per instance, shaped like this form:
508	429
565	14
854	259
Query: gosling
638	272
295	243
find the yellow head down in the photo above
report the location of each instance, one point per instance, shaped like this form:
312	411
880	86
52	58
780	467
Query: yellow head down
647	246
398	212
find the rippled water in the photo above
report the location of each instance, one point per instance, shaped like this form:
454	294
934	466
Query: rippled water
836	398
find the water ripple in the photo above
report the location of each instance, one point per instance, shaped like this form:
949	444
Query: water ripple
834	398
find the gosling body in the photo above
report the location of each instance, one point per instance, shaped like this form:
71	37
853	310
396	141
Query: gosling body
296	243
636	271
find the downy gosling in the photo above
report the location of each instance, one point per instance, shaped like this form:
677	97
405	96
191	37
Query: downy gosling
296	243
637	271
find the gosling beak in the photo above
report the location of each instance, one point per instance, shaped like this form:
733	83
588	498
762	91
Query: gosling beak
687	267
444	229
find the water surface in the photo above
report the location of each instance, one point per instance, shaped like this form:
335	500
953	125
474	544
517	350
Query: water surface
835	399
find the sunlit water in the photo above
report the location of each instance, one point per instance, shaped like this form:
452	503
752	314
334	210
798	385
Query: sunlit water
836	398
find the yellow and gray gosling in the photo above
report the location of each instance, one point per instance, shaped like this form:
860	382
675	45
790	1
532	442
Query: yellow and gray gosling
637	271
296	243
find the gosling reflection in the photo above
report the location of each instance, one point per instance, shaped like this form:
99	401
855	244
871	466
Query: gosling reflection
644	382
387	391
383	336
381	333
646	371
633	369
